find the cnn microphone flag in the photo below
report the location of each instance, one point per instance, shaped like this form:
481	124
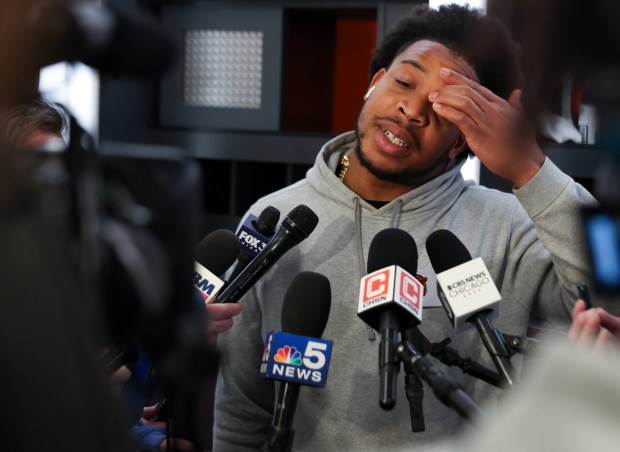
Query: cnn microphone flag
391	285
295	358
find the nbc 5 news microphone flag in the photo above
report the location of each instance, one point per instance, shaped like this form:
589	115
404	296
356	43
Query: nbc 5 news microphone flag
297	359
391	285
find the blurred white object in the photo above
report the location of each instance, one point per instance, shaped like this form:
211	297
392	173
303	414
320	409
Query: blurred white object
560	129
471	169
75	86
588	124
569	402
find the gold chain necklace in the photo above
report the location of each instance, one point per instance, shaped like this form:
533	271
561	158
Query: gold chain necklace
344	166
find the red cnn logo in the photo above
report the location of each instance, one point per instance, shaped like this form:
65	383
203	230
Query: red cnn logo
376	285
410	290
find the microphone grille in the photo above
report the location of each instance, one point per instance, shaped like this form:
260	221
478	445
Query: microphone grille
218	251
393	246
304	218
306	305
445	250
267	221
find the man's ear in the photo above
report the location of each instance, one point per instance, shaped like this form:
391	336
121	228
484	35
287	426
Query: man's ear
375	78
459	145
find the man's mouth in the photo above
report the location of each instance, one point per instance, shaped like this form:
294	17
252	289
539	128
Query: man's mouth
393	138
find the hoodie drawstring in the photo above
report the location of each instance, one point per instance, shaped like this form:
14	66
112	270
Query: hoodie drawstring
361	262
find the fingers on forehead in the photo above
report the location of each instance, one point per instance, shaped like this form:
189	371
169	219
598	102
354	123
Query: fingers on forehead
460	79
467	95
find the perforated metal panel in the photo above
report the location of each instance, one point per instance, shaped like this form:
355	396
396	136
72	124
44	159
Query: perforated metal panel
223	68
230	73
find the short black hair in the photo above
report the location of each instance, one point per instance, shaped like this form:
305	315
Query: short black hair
480	40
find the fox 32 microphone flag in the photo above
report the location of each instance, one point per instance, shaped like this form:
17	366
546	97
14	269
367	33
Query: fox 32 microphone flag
251	241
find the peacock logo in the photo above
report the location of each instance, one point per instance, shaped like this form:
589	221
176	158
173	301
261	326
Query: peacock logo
288	355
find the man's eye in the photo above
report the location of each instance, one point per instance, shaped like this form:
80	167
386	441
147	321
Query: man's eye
404	84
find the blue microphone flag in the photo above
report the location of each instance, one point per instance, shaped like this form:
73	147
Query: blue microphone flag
297	359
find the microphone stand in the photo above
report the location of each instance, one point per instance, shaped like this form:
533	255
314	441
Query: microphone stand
519	344
280	434
411	351
494	342
445	389
414	389
450	357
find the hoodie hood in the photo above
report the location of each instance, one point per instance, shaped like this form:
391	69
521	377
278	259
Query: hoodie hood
441	191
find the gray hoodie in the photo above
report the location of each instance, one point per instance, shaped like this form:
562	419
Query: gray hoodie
530	242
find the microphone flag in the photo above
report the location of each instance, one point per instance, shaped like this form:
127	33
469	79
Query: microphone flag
392	286
467	289
206	282
251	241
295	358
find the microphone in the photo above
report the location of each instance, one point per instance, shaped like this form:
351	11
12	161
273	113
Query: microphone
214	255
468	295
390	300
296	227
104	37
254	235
445	389
296	356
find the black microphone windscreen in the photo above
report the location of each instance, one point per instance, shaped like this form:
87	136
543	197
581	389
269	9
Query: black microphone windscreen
267	221
393	246
306	305
303	218
218	251
445	250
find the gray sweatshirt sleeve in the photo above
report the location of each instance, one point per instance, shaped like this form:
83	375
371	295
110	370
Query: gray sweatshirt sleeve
243	402
557	261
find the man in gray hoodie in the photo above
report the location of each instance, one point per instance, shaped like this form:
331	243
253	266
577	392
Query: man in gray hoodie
442	84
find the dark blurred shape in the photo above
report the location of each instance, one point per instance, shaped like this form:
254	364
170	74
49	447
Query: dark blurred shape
53	393
106	37
149	231
563	38
578	43
97	247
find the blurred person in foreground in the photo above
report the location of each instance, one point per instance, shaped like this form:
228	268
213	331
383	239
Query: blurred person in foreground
50	326
569	402
53	393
